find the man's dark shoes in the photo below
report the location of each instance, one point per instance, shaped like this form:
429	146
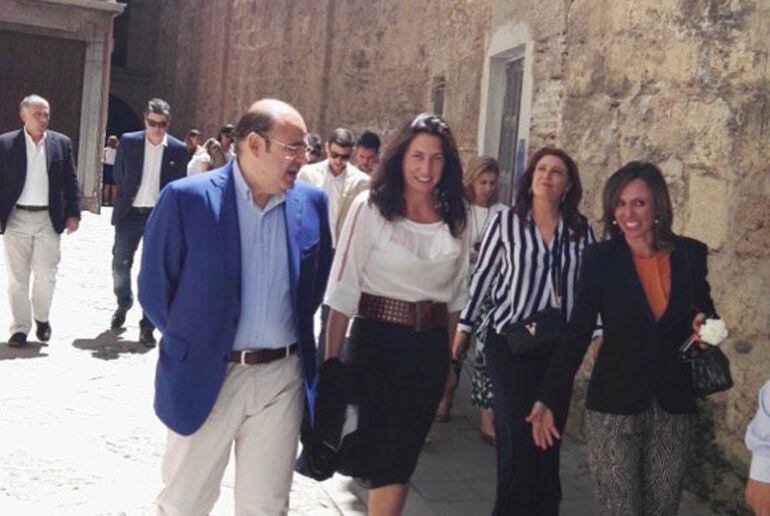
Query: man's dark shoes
146	338
43	331
119	317
18	340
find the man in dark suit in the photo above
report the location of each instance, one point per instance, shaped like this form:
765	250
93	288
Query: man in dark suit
234	266
146	161
39	198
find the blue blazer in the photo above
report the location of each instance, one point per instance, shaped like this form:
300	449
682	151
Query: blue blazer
190	286
129	162
63	191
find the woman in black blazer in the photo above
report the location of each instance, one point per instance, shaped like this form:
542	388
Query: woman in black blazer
649	287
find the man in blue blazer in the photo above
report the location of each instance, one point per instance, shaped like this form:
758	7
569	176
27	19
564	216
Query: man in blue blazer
39	198
234	266
145	162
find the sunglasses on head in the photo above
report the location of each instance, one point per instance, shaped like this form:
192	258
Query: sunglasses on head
334	155
430	123
154	123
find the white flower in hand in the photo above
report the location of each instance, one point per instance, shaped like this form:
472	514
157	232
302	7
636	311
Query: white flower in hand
713	331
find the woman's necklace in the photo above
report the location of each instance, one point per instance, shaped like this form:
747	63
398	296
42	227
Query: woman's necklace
480	227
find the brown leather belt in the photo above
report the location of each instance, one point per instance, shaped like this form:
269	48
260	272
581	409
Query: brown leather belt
31	208
421	315
261	356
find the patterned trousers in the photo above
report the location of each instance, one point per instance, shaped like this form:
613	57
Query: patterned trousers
638	462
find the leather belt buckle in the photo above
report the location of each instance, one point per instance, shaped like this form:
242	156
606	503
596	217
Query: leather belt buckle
242	357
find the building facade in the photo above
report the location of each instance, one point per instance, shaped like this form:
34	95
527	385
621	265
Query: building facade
60	49
682	83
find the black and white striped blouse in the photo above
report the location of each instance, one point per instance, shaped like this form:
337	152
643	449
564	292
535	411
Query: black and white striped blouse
514	262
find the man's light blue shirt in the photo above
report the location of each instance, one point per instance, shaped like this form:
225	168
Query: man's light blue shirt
267	315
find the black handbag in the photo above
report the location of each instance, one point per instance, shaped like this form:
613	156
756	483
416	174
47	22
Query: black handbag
536	334
709	368
540	332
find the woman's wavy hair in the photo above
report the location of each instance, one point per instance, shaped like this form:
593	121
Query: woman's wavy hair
663	235
387	191
476	167
571	200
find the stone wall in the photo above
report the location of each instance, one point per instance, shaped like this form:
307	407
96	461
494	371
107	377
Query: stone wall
682	83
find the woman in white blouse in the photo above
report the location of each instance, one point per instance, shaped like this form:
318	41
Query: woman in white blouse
481	191
400	268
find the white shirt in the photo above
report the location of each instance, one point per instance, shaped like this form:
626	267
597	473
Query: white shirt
149	189
398	259
35	191
333	186
758	438
479	218
197	164
109	155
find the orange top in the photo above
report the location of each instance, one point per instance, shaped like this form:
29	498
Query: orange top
655	275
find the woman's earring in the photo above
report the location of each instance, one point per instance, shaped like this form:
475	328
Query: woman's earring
614	222
656	221
563	197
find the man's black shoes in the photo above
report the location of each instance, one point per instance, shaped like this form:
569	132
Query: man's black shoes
18	340
43	331
119	317
146	338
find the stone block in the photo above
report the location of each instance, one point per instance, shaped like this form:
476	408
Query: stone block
708	210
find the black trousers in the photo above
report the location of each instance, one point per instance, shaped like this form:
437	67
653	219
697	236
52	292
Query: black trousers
527	477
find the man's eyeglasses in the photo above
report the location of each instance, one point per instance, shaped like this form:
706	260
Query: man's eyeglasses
293	150
154	123
335	155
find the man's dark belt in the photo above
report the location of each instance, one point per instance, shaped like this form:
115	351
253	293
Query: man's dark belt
143	211
261	356
31	208
421	315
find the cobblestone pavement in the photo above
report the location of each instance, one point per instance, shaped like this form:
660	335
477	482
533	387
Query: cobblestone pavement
79	435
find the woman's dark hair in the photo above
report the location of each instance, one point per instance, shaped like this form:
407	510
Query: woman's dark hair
388	186
571	200
663	235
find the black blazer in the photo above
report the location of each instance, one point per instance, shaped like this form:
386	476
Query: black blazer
638	361
129	162
63	191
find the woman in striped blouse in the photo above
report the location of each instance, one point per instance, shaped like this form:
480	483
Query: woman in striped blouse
530	254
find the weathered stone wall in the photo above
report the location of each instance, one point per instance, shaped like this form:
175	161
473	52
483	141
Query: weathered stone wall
681	83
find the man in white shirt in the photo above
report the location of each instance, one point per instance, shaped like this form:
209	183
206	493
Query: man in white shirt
39	198
146	161
758	442
368	152
341	181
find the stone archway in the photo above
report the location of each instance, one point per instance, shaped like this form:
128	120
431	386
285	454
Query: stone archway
121	118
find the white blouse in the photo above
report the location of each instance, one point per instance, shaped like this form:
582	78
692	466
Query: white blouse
398	259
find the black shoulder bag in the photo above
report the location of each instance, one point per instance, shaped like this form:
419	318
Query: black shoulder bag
710	368
540	332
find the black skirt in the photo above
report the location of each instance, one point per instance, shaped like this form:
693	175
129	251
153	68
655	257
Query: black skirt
401	374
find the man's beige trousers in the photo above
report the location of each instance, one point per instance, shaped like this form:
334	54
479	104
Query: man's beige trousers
259	409
31	246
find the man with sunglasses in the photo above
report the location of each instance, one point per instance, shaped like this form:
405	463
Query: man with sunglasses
146	161
342	181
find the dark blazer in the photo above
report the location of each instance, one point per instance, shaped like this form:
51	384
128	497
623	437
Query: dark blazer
129	162
638	361
190	286
63	191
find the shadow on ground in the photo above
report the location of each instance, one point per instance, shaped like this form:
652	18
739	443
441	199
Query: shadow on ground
109	345
31	350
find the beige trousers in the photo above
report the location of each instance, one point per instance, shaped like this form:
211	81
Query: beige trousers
31	246
259	409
